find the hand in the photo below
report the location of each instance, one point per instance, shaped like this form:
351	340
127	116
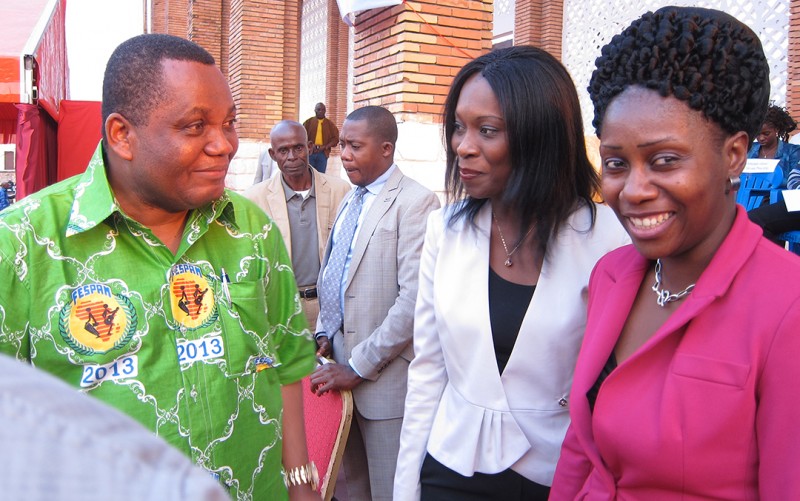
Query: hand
333	377
325	347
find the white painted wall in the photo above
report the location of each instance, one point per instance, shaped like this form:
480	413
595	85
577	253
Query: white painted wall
94	28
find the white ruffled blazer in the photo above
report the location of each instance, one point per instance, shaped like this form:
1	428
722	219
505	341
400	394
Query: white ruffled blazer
458	406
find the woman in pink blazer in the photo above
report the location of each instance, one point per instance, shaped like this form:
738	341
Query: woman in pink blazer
686	386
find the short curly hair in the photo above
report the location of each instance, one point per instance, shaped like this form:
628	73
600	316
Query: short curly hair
132	83
705	57
780	119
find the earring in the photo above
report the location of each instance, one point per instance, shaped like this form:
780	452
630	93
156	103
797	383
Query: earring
732	184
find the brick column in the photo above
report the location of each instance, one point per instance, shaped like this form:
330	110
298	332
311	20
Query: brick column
291	59
264	63
401	62
205	28
336	69
793	65
539	23
171	17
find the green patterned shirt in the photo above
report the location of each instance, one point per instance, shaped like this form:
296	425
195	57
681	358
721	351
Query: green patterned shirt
94	298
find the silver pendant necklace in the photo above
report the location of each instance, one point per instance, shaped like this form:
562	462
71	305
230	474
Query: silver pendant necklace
665	296
508	261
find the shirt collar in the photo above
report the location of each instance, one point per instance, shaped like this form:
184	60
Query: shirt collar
376	186
289	192
94	201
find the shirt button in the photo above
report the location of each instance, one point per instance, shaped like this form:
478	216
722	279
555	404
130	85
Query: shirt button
562	402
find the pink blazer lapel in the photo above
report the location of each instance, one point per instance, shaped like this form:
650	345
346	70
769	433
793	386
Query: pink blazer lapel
611	296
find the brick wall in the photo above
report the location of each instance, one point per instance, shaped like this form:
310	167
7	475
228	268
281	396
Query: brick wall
171	17
264	63
205	26
539	23
337	63
291	61
401	62
793	65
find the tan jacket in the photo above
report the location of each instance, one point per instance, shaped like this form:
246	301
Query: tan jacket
380	293
328	190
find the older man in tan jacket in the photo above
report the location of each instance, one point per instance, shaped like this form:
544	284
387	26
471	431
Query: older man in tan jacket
303	204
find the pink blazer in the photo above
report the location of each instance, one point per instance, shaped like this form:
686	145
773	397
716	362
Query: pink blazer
709	407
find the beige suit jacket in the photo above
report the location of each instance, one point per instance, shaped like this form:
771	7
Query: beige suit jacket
329	192
380	293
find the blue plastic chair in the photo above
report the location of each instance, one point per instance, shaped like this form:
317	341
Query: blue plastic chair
790	237
793	239
756	186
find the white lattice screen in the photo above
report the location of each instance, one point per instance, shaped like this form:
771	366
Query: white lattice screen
313	56
590	24
503	6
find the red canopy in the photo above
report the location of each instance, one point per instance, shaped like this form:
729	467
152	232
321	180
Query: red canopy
33	29
33	81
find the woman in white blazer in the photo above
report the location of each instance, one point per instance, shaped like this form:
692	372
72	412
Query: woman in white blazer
487	403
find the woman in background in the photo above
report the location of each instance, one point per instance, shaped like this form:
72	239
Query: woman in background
685	383
502	295
772	141
775	219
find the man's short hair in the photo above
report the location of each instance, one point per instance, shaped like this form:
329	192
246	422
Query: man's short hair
133	78
381	122
288	124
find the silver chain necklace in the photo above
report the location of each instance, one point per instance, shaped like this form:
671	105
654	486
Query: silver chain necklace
665	296
508	262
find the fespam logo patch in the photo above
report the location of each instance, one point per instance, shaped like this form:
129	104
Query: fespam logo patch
96	320
192	297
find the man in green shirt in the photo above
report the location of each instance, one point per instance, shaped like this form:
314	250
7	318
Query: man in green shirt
146	284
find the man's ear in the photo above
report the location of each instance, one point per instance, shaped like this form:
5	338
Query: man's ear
119	135
387	148
272	154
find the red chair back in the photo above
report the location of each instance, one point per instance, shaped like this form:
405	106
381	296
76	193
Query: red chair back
327	420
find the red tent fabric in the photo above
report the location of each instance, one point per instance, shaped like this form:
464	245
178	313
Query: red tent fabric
34	77
79	131
36	149
8	122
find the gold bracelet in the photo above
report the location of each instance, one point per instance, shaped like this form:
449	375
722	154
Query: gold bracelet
300	475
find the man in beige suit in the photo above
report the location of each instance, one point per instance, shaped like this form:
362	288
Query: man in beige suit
367	311
303	204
